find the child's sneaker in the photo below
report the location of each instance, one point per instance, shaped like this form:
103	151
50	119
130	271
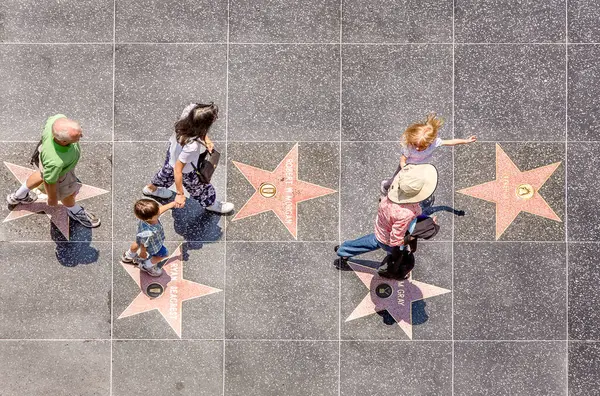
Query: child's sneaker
12	199
152	271
127	260
160	192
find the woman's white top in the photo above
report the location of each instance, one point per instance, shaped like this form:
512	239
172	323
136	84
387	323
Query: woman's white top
188	153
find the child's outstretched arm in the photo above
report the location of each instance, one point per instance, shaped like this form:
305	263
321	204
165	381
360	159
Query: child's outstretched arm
163	208
454	142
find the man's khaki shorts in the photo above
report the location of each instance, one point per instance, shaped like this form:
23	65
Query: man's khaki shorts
68	184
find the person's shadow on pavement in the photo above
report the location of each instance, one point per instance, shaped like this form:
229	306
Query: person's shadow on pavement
429	209
77	249
194	223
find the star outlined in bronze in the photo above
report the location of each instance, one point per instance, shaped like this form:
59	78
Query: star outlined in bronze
398	303
514	191
176	291
57	214
278	191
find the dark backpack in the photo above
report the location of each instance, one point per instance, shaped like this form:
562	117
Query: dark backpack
399	263
424	229
206	165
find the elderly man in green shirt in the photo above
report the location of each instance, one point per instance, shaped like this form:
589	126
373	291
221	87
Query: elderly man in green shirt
59	152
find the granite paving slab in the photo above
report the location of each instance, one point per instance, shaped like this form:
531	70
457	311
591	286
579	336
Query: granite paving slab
171	21
280	21
190	223
39	81
154	83
178	368
584	102
509	291
582	191
582	21
41	367
510	92
56	291
387	88
516	368
82	21
397	21
365	165
583	280
281	291
381	368
584	370
284	92
268	368
491	21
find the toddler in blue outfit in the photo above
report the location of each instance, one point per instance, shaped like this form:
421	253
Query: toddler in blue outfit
148	249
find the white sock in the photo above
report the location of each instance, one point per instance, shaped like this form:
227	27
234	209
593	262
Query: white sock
22	191
74	209
130	254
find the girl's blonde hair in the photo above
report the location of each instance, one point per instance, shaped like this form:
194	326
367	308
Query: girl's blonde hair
422	134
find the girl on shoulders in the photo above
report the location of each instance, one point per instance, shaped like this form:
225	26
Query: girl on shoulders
419	141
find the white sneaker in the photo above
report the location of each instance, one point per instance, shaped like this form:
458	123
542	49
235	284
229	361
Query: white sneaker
152	271
160	192
220	207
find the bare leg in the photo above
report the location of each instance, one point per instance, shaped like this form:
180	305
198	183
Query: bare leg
156	259
134	247
69	201
151	187
34	180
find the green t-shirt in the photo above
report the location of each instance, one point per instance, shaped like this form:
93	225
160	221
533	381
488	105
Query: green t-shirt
56	160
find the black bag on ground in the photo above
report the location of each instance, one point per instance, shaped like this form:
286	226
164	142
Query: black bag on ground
207	163
397	264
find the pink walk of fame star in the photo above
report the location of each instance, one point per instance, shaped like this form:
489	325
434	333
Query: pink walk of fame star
514	191
176	291
391	295
279	191
57	214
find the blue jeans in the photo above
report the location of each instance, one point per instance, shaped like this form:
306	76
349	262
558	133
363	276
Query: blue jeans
367	243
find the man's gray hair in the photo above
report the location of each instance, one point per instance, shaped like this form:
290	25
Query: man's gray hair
63	135
65	129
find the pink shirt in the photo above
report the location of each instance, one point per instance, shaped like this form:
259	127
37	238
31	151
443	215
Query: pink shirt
393	220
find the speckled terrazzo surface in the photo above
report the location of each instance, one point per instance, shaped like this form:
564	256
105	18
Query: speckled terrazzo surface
315	93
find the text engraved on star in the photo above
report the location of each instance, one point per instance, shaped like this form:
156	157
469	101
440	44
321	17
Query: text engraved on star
278	191
514	191
399	302
176	291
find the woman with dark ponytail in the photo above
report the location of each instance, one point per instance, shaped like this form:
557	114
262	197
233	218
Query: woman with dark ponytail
186	145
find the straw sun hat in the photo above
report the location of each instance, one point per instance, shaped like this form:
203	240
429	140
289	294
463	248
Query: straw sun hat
414	183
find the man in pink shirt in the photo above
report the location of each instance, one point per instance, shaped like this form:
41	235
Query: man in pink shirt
413	184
